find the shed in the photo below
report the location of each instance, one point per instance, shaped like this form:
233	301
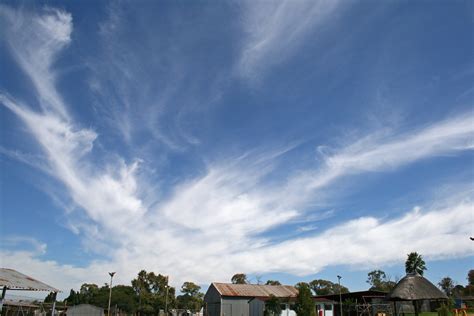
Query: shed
84	310
235	299
13	280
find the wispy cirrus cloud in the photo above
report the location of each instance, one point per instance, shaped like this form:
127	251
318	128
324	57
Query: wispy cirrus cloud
213	224
275	29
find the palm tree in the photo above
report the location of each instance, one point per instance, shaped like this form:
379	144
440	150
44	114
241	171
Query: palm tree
415	263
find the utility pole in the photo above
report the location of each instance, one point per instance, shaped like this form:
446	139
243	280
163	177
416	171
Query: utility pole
340	296
110	291
166	299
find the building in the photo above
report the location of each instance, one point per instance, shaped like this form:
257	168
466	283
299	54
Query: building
224	299
324	306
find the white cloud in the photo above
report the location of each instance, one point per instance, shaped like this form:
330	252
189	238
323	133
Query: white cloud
382	151
210	226
35	41
275	29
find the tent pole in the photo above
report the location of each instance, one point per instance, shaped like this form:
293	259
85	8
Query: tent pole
4	291
53	311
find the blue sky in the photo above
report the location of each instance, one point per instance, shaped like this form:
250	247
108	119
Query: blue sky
288	140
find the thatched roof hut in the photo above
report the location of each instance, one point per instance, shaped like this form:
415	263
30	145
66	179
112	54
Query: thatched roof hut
414	287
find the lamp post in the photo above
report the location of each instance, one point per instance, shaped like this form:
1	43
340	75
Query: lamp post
166	298
340	296
110	291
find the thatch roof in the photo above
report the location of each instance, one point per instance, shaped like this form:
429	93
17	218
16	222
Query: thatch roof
415	287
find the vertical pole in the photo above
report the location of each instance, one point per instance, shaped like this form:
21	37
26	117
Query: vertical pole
110	291
166	299
53	311
4	291
340	296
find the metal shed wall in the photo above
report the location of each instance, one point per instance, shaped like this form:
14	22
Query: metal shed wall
233	306
256	307
212	302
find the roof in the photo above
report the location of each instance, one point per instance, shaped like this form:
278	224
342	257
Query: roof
85	306
255	290
355	295
415	287
323	300
20	304
14	280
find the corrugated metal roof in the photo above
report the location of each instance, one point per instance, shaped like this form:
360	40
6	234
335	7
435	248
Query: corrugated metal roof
254	290
15	280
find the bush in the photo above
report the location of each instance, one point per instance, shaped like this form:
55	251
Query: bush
443	310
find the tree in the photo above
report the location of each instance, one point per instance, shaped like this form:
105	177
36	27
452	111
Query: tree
152	291
304	302
87	292
73	298
447	285
272	306
50	297
470	277
415	264
239	278
325	287
272	282
191	299
379	281
124	298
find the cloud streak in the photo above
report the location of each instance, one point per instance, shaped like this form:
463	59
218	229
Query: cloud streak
275	29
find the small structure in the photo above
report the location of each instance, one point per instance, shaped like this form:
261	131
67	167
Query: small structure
324	306
13	280
224	299
11	307
415	289
84	310
360	303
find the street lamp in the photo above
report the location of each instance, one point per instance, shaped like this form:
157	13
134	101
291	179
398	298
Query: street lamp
340	296
166	299
110	291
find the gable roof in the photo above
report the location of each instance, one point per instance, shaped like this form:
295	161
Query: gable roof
415	287
14	280
255	290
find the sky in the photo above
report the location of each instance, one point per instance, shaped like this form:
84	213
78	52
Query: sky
289	140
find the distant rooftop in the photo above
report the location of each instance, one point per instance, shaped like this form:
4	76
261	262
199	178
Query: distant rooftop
14	280
255	290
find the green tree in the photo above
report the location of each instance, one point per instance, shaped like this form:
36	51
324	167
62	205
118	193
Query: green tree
304	302
87	292
272	306
50	297
239	278
73	298
153	292
191	299
272	282
469	289
124	298
379	281
325	287
415	264
447	285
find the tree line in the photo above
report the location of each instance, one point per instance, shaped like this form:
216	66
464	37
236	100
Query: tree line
147	295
